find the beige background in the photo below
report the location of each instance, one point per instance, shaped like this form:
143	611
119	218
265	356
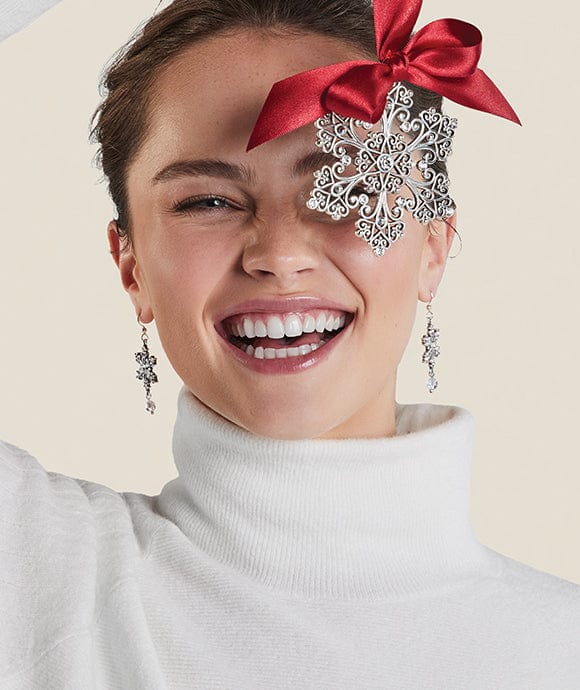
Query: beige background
507	309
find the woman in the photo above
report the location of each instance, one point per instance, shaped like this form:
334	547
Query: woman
318	533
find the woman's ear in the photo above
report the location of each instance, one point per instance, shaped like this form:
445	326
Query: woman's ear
130	273
114	243
436	249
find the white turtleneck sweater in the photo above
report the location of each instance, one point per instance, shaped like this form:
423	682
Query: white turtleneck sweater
271	564
267	564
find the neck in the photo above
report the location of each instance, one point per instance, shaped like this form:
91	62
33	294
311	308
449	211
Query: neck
377	419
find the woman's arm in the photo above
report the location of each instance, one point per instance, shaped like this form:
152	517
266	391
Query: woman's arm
16	14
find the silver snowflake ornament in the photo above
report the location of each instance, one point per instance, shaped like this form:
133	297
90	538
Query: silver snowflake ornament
376	164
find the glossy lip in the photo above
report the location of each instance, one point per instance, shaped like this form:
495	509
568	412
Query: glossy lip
290	365
282	306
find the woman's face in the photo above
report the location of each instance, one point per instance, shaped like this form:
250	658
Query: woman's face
223	237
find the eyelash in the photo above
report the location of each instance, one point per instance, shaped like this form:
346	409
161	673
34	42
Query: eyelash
193	204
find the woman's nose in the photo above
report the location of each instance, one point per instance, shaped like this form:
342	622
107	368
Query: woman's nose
282	246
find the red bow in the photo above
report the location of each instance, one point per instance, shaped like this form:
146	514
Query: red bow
441	57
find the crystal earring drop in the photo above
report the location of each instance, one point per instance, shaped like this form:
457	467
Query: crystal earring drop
430	341
146	363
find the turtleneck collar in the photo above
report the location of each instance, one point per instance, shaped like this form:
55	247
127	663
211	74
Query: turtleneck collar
349	518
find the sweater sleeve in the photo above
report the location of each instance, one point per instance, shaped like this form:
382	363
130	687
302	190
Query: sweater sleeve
47	561
16	14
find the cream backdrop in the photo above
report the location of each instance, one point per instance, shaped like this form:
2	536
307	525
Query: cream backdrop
507	308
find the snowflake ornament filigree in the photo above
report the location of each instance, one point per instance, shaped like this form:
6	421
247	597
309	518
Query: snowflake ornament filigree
400	154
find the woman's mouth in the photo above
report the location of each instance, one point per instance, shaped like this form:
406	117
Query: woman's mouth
298	336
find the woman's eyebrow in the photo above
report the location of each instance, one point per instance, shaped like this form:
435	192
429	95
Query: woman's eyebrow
209	167
312	161
206	167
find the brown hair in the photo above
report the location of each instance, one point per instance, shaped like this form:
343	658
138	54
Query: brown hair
119	125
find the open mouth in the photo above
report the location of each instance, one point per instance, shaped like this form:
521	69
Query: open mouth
286	335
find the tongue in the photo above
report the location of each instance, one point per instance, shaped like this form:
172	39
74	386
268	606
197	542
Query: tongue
277	343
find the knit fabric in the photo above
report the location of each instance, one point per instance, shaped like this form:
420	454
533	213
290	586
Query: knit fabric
16	14
270	564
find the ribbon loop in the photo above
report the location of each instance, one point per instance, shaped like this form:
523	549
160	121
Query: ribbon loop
394	22
446	49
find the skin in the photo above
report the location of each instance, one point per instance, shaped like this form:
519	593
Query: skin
184	269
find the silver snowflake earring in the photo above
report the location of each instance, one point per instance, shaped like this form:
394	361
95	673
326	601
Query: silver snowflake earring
146	363
430	341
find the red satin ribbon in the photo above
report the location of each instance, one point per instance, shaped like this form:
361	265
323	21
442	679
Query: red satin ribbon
441	57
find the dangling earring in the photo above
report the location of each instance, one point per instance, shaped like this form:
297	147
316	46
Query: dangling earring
430	340
146	363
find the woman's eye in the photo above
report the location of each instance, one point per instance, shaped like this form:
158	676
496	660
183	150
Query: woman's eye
200	204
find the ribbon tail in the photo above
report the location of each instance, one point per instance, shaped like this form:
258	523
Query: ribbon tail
476	91
295	102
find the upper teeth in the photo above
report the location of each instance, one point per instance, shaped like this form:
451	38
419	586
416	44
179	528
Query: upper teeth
291	325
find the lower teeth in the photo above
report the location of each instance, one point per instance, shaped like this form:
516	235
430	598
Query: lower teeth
282	352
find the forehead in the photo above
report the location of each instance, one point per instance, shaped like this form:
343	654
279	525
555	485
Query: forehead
214	90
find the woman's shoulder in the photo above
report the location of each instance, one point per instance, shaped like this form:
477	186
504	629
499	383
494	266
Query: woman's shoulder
543	608
45	512
56	522
35	499
27	484
65	543
528	581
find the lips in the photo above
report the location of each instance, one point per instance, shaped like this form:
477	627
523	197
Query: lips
278	305
288	328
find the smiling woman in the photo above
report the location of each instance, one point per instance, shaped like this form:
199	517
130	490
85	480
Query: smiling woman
218	226
317	534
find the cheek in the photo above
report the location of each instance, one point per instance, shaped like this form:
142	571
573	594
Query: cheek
389	288
183	263
181	276
181	282
393	304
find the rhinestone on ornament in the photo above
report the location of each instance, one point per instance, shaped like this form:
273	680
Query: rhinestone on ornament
384	161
